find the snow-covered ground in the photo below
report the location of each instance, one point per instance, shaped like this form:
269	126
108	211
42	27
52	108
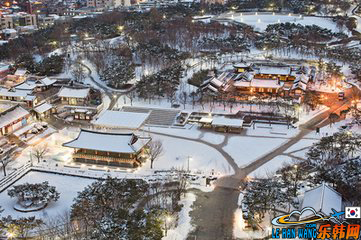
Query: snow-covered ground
64	185
241	232
184	220
272	130
178	151
244	150
268	169
261	20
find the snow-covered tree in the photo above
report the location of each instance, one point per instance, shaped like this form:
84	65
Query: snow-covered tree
107	210
19	228
119	72
265	195
34	195
50	65
78	71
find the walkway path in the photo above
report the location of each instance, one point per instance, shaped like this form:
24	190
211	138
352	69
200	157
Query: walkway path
213	212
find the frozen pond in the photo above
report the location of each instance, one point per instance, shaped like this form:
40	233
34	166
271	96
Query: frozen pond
261	20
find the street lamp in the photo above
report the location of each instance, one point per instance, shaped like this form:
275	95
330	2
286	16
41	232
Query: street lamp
167	222
189	159
10	235
120	28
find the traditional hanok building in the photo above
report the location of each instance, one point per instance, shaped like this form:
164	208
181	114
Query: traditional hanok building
16	95
222	124
36	85
74	96
18	76
242	67
285	80
282	73
111	149
259	86
13	119
232	125
299	86
44	110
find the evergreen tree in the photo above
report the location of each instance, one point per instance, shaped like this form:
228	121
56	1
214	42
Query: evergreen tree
119	72
107	210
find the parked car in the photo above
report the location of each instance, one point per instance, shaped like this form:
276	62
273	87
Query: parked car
1	151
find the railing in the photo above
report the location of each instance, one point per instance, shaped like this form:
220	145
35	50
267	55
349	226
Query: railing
14	176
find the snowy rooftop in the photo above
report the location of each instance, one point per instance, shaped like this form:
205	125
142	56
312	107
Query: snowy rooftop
11	115
322	199
108	142
117	119
14	92
229	122
266	83
242	65
31	84
9	30
43	107
205	120
273	70
73	92
20	72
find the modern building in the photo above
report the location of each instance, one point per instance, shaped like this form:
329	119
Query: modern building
12	21
111	149
106	4
13	119
6	22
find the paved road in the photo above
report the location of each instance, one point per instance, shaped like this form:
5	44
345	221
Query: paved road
113	96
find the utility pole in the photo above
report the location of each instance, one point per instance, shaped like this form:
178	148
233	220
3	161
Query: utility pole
188	162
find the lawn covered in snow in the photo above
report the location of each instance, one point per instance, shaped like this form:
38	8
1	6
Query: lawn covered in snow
244	149
176	152
268	169
64	185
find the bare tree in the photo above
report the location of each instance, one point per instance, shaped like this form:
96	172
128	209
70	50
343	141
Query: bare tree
78	72
183	98
4	162
40	151
155	150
